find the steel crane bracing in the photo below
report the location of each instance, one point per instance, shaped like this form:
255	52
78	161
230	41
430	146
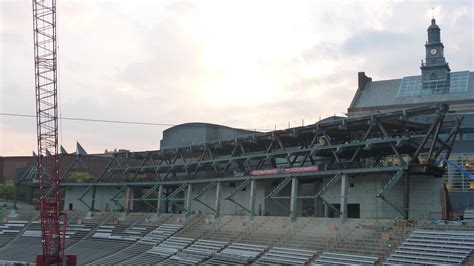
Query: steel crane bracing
46	86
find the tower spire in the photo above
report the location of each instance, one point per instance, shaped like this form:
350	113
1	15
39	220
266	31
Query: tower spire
435	70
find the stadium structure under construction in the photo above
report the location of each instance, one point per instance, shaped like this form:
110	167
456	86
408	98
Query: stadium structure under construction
364	188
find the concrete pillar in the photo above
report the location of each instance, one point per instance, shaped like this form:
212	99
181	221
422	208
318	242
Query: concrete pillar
293	198
128	199
93	199
187	205
326	210
253	194
159	208
217	205
16	196
407	197
343	208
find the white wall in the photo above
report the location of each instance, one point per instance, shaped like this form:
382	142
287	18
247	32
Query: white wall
102	198
424	197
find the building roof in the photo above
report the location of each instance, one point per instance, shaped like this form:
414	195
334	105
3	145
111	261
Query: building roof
196	133
384	94
433	25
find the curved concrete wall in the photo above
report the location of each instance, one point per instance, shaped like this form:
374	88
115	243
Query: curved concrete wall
196	133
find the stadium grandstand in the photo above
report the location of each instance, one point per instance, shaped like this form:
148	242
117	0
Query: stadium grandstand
390	183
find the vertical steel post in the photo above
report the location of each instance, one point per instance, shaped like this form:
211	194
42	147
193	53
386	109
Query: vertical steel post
128	199
253	194
187	205
343	208
159	208
93	199
407	197
217	205
326	210
294	198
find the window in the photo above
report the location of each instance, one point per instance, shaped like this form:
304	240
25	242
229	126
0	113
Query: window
459	81
468	136
412	86
434	87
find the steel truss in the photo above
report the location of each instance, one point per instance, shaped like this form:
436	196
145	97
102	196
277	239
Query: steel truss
45	62
400	143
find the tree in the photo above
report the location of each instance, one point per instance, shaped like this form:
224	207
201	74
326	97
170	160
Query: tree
7	190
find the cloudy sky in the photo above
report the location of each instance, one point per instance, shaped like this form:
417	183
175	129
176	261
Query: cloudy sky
247	64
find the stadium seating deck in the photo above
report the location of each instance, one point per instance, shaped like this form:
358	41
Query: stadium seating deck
10	230
146	243
344	259
140	230
280	256
138	239
237	253
434	247
196	253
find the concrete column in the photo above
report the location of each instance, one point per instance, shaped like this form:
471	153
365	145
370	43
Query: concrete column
16	196
326	210
128	199
217	205
187	205
294	198
159	208
407	197
343	208
253	194
93	199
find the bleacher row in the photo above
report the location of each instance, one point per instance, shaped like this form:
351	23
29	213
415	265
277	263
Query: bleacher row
9	230
434	247
266	241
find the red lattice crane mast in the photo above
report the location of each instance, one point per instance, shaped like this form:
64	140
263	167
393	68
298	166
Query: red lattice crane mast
46	86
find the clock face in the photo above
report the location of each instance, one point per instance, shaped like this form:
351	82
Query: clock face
433	51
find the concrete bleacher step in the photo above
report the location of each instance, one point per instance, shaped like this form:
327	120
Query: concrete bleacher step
237	253
279	255
196	253
159	234
428	249
434	247
10	230
344	259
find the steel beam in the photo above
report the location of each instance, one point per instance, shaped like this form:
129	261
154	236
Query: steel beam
390	183
217	205
231	195
279	188
354	171
294	198
343	207
201	192
324	189
252	198
187	205
159	207
172	195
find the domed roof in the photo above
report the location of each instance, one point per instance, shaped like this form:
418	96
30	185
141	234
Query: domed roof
433	25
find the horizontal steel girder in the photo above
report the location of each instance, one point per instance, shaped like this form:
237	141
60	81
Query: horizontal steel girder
387	169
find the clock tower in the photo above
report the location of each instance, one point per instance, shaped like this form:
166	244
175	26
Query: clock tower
435	70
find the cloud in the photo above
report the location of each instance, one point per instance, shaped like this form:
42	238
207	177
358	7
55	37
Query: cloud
237	63
375	41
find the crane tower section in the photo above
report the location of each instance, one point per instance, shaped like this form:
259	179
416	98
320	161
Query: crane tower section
46	86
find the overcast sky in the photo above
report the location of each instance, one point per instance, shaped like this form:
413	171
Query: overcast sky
247	64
